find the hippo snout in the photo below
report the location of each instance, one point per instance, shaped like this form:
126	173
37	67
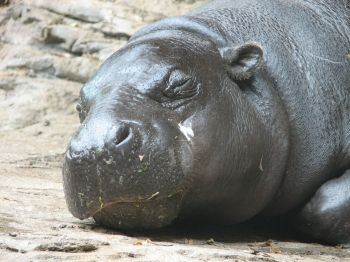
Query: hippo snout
102	139
124	175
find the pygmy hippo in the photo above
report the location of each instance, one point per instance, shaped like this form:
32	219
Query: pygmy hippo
239	109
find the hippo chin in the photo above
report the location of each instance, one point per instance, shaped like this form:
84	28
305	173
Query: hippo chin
237	109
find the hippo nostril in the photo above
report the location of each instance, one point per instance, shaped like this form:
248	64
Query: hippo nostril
122	135
75	155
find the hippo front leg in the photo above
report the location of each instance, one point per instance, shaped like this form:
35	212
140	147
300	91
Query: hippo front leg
326	217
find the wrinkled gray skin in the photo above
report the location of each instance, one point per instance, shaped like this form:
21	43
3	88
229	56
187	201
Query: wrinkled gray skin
236	109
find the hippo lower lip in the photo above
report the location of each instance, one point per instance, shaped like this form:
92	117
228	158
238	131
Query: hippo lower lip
152	212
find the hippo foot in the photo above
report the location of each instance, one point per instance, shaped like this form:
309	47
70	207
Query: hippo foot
326	217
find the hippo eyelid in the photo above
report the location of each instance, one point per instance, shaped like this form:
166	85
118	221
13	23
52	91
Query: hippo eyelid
180	89
179	82
78	107
177	78
183	98
178	85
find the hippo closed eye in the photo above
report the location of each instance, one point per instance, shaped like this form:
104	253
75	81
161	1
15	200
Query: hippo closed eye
237	109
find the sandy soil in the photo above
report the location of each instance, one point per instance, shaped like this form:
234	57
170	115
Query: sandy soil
47	50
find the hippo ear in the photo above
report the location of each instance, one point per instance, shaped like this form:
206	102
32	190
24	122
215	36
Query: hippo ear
243	61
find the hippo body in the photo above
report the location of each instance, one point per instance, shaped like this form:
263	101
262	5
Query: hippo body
238	109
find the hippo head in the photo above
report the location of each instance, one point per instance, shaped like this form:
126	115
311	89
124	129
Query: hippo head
159	117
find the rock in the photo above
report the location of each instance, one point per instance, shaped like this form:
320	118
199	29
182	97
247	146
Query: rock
7	83
74	39
26	14
58	34
86	46
68	246
120	28
9	35
4	2
29	58
186	1
29	100
16	62
43	64
75	10
17	11
78	69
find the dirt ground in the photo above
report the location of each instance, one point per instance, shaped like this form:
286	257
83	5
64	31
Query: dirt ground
47	50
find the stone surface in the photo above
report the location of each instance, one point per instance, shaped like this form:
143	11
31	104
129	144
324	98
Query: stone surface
78	69
47	50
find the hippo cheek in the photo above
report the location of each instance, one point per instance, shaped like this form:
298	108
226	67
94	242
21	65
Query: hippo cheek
129	190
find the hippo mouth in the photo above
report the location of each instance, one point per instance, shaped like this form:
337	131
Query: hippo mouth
135	181
146	213
118	206
153	211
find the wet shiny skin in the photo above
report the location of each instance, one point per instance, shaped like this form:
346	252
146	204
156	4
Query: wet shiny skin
209	115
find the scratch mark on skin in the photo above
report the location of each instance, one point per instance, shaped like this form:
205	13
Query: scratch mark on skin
108	161
121	180
101	202
260	164
325	59
187	131
153	196
141	157
149	157
347	56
